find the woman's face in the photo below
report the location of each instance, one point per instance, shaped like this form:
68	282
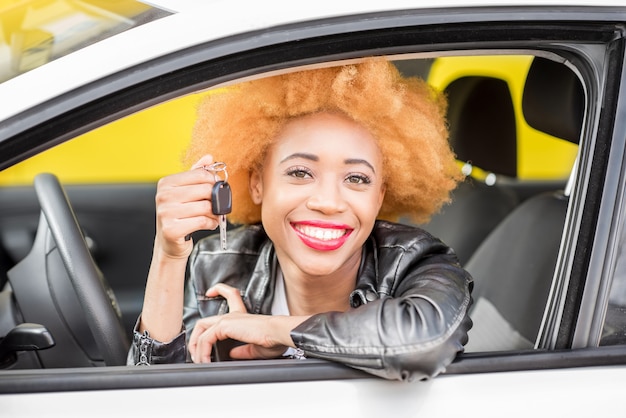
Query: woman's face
321	189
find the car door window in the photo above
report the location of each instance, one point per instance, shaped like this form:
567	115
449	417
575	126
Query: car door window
508	165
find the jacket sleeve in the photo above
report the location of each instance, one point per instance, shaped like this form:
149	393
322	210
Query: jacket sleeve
415	327
144	350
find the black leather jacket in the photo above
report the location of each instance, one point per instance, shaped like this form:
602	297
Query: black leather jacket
410	305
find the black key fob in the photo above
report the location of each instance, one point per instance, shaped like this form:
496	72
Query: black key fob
221	198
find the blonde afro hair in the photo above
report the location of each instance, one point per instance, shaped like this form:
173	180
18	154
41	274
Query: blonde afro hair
405	115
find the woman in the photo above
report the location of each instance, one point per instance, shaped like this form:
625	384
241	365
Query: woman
316	159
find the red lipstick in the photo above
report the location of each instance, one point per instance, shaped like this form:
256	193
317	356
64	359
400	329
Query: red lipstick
320	235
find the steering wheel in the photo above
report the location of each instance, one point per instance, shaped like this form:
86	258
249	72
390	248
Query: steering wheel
94	295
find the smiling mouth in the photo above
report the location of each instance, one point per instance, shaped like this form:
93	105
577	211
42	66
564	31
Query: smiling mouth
322	234
322	238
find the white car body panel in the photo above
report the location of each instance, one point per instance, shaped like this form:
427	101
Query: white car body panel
583	392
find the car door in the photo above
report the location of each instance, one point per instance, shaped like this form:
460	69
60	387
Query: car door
541	378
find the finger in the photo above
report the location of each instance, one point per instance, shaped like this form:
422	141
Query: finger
252	351
204	346
231	294
243	352
196	338
178	212
176	221
189	192
185	187
204	160
185	177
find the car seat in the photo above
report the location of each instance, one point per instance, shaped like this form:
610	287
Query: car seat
513	270
483	134
514	267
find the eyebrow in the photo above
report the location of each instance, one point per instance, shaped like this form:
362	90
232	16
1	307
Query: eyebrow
359	161
313	157
304	155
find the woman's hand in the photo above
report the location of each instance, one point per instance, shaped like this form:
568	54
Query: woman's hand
183	206
265	336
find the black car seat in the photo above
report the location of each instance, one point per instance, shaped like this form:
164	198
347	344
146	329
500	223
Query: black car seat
483	135
514	267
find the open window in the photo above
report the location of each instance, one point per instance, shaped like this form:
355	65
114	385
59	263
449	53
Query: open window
514	163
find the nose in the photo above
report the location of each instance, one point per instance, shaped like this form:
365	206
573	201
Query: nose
328	198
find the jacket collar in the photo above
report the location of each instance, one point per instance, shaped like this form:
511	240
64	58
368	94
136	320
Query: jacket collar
367	278
260	290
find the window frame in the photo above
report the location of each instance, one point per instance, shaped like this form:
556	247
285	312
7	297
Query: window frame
572	33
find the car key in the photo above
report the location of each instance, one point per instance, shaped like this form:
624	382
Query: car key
221	199
221	205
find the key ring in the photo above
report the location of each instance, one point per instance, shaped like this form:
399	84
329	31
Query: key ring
215	168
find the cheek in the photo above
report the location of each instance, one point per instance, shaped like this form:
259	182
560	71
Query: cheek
278	200
372	204
275	211
366	211
375	196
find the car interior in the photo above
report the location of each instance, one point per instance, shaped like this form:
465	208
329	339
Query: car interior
508	237
506	232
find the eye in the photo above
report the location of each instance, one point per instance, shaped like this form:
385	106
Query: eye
358	179
299	172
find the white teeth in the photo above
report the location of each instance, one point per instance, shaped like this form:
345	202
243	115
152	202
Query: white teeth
323	234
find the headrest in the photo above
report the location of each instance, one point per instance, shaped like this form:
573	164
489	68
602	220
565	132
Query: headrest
482	123
554	100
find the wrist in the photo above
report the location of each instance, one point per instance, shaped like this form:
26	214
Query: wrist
282	327
162	255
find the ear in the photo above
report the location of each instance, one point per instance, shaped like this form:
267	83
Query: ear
256	187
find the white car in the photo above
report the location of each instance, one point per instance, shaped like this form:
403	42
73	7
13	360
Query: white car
537	115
